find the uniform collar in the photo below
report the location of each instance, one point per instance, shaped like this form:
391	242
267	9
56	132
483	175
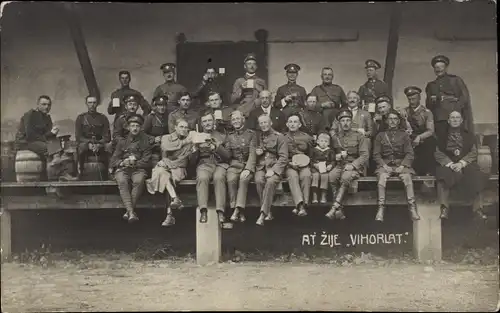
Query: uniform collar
266	110
419	108
247	75
291	83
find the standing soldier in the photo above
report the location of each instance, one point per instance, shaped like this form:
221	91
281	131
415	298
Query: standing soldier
117	104
210	83
247	88
331	97
373	87
241	143
445	94
155	125
351	154
422	136
393	153
92	134
184	111
171	89
272	158
299	176
291	96
211	159
130	160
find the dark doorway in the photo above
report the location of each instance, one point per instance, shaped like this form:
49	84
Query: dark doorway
193	58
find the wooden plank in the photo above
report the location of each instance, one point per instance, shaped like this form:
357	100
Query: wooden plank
208	239
6	233
427	233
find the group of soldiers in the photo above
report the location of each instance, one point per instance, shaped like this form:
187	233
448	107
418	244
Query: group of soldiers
317	141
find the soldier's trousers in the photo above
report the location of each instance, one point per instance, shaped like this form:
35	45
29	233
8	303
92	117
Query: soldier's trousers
344	179
424	162
299	182
266	188
124	178
204	174
321	180
237	187
103	154
404	176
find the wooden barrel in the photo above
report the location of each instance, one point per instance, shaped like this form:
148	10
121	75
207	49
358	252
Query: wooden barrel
484	159
28	166
8	162
94	170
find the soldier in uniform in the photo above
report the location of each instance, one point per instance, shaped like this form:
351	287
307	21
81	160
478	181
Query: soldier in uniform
291	96
373	87
456	154
184	111
272	158
393	153
361	120
37	133
211	159
210	83
314	121
277	117
247	88
331	97
422	136
384	106
171	89
445	94
117	104
299	177
241	144
351	154
155	125
220	112
130	160
92	134
120	126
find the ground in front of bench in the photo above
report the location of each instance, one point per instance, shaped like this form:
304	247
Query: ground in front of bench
116	285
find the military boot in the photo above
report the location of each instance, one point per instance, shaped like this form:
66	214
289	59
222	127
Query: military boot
444	212
314	196
302	209
412	205
260	220
169	220
236	215
203	215
323	197
336	210
381	204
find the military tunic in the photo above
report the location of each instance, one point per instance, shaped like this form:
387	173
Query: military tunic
275	158
244	99
290	89
371	90
329	93
92	127
314	122
34	134
360	119
241	145
422	124
191	116
299	179
172	90
357	148
448	93
121	94
211	165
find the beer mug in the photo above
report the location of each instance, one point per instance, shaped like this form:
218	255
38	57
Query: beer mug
250	84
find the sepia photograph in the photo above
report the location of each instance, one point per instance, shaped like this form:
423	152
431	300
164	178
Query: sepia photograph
313	156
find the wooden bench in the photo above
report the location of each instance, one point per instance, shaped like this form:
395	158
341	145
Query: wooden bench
31	196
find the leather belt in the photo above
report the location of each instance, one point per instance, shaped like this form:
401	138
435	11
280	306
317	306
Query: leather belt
449	98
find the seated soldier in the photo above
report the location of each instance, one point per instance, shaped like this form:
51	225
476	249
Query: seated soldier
155	125
131	159
221	113
298	175
393	154
351	154
314	121
422	124
241	144
120	126
171	169
272	158
456	155
211	159
92	134
323	161
184	111
384	106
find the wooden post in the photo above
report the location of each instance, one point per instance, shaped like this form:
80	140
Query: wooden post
208	238
392	45
427	233
6	233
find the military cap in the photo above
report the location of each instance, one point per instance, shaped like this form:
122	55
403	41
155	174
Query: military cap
383	99
135	118
372	63
412	90
131	98
344	113
440	58
167	67
249	57
294	68
160	100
